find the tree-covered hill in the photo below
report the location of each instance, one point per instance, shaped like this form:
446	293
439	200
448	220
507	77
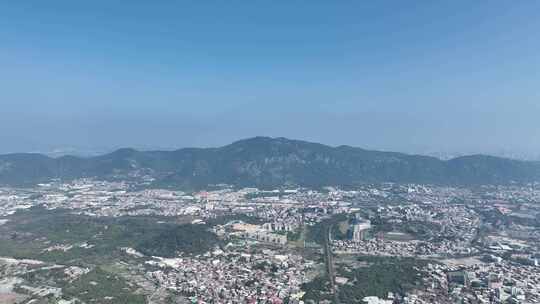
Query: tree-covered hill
269	162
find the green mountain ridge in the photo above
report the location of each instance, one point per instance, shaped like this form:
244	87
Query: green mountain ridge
269	162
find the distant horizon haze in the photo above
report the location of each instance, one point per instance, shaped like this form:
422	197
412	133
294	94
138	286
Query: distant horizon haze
436	78
97	151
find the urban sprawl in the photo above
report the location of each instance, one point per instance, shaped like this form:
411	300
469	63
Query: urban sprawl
416	243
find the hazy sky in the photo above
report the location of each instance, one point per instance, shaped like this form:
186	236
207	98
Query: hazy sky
396	75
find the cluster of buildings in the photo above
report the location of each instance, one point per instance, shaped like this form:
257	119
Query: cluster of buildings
483	282
233	275
426	230
260	233
359	229
492	231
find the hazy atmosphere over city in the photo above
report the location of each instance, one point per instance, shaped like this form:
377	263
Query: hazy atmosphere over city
269	152
424	77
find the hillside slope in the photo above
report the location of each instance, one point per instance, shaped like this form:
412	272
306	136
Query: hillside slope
269	162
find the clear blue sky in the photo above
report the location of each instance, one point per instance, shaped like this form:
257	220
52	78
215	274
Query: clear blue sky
395	75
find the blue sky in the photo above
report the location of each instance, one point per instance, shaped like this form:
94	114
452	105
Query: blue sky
410	76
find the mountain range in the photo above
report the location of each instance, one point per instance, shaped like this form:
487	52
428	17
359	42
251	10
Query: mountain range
268	162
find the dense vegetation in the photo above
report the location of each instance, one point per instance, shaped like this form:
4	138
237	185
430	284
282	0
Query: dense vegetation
317	290
156	236
270	162
381	276
99	286
183	238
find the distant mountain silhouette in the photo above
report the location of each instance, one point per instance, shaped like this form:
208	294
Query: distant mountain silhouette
268	162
